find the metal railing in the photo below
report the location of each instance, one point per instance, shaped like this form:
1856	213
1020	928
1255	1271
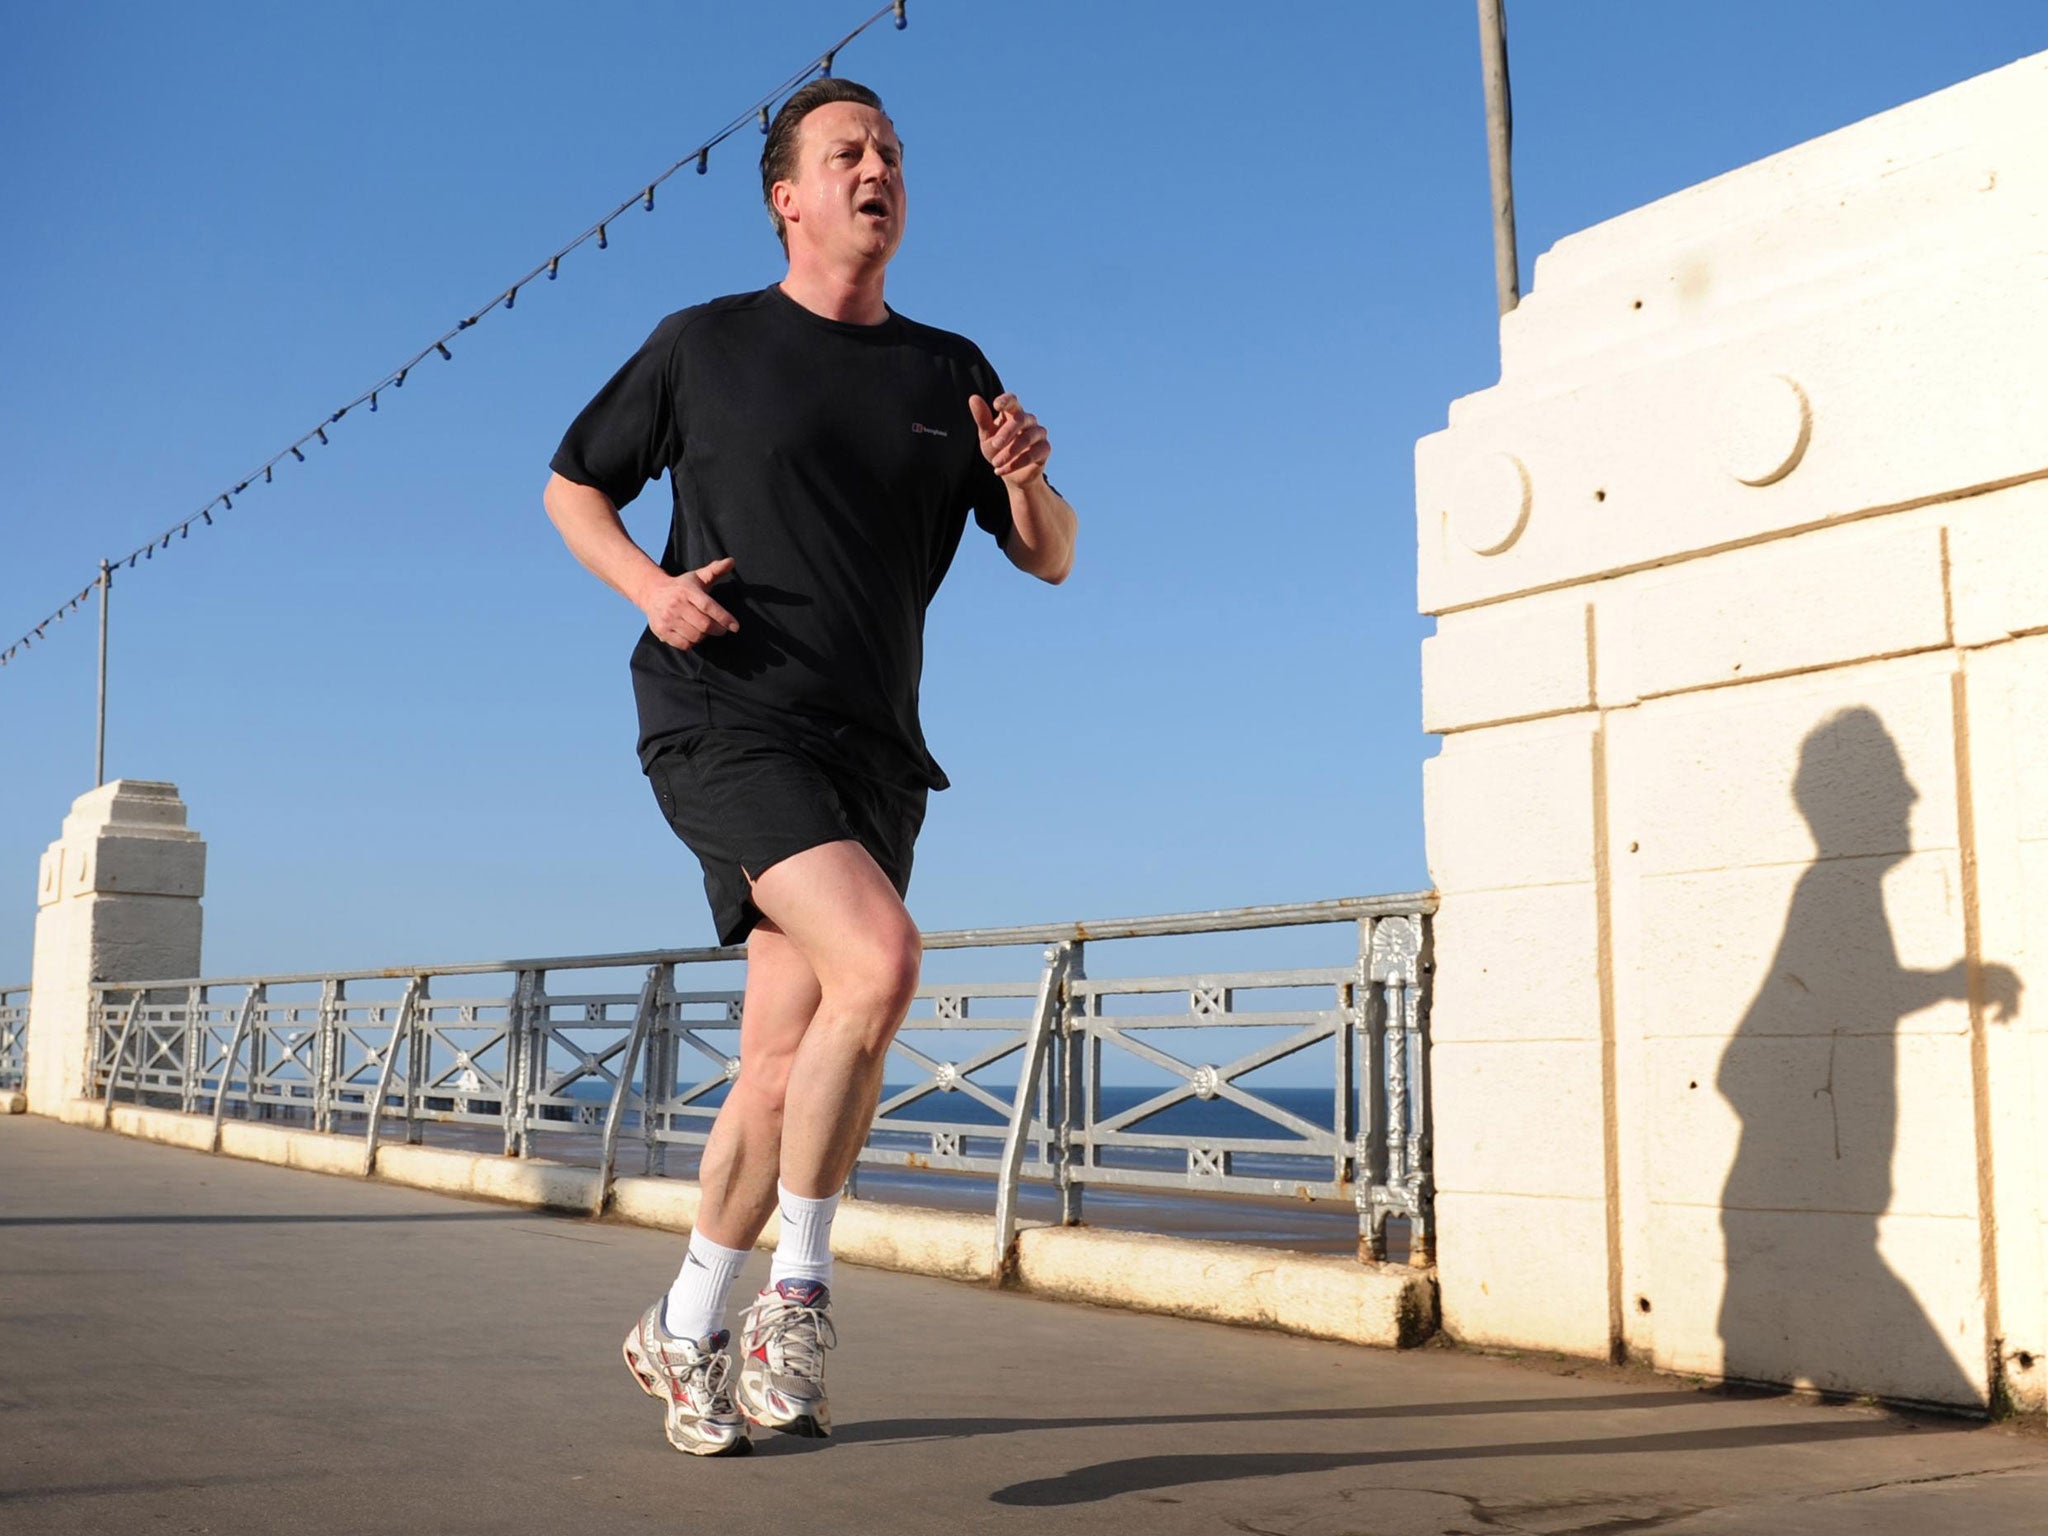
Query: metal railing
1030	1077
13	1036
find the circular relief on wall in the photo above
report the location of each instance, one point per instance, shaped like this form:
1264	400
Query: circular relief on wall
1489	504
1765	424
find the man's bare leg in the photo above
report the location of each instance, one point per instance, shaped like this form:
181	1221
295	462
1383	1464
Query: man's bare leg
831	969
742	1159
844	916
838	909
739	1166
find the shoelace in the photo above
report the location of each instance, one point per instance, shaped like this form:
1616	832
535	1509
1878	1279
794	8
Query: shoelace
708	1373
797	1336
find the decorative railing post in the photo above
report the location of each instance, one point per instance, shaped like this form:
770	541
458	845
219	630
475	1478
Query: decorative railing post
1393	1135
1421	1152
658	1077
416	1060
1395	1036
518	1136
96	1038
259	1058
327	1072
1369	1149
533	1063
1071	1057
194	1052
1344	1114
655	1076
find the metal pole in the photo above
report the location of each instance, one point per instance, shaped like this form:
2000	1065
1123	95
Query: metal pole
99	754
1500	137
1038	1037
401	1034
120	1051
645	1018
243	1019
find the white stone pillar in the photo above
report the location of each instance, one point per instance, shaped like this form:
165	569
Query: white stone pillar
1741	820
118	901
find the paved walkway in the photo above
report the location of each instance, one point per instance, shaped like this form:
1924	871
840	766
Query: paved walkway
193	1344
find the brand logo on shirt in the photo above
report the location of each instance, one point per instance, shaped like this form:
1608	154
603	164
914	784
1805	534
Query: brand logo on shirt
918	426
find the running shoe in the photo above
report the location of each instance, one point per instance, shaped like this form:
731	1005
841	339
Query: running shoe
690	1377
783	1339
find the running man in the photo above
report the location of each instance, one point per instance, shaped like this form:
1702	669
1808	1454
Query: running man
823	454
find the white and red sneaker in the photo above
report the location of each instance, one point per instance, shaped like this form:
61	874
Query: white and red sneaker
690	1377
783	1339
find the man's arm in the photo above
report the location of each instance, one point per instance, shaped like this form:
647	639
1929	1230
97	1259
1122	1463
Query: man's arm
1042	528
1042	525
679	609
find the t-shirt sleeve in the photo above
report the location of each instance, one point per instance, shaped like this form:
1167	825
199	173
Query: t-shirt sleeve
626	436
990	497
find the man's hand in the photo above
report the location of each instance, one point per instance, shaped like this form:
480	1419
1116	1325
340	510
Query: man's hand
680	609
1012	441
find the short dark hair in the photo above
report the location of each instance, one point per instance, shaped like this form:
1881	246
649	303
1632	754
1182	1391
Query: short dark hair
778	152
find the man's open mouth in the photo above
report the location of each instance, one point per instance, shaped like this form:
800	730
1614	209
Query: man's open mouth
875	206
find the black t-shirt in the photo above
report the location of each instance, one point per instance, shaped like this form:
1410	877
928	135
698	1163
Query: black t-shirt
835	464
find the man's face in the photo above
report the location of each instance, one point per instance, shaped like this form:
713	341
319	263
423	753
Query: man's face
846	201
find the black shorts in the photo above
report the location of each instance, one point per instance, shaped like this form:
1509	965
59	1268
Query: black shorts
745	800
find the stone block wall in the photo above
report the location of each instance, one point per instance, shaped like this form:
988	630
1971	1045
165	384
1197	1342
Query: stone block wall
1740	819
118	898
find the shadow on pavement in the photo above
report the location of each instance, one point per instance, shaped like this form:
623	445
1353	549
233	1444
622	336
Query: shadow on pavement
887	1431
144	1485
1105	1480
242	1219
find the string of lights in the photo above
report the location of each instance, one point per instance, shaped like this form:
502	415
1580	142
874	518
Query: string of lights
504	298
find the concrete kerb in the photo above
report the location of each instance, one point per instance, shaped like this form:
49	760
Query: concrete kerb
1322	1296
86	1112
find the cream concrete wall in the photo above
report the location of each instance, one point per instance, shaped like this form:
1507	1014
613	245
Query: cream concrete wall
118	895
1740	819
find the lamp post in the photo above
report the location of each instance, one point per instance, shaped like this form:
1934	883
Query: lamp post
1500	135
99	753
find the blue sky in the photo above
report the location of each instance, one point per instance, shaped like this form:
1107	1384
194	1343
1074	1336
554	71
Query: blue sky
1236	257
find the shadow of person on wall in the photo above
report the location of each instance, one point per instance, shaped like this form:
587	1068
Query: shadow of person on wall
1813	1072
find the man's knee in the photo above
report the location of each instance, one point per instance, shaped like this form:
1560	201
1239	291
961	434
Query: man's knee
878	978
763	1083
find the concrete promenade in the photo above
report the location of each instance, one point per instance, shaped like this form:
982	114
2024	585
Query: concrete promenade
195	1344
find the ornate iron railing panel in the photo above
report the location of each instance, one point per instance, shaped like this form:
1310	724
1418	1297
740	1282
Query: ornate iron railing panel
13	1036
286	1057
693	1056
954	1112
361	1035
1035	1076
1265	1128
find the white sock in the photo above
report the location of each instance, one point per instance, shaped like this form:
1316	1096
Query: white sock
696	1302
804	1251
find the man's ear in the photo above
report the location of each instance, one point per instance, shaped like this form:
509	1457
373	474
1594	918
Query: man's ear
782	197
